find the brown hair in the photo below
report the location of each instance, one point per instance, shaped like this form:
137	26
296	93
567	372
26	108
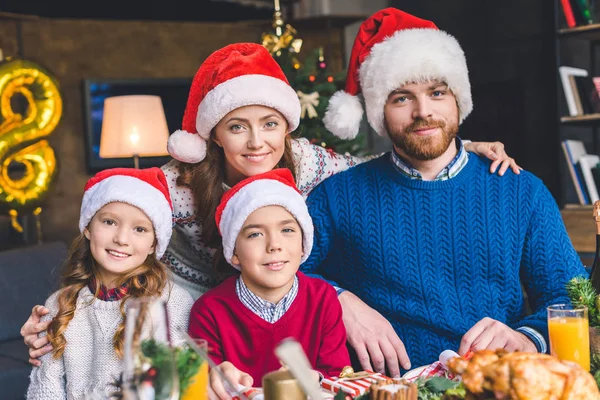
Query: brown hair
148	279
206	180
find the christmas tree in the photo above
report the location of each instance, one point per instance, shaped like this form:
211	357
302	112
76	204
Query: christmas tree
314	84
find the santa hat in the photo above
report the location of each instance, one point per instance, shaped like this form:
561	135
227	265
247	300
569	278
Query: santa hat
273	188
235	76
393	48
145	189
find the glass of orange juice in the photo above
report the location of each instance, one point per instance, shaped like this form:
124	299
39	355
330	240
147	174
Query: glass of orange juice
198	388
569	332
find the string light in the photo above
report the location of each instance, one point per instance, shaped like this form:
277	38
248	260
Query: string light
311	78
330	79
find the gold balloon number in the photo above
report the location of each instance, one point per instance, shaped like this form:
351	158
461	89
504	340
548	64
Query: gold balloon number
23	133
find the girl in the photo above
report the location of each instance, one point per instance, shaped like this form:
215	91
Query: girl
125	225
237	123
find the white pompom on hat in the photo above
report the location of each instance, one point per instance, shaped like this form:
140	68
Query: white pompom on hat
273	188
235	76
393	48
146	189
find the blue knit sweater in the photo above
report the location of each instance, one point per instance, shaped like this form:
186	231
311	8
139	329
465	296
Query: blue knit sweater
435	257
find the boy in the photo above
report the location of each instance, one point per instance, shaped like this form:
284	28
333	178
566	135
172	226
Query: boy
267	233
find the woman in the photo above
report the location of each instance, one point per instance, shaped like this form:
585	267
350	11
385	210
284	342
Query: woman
237	123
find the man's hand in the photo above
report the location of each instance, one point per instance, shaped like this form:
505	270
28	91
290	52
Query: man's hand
216	388
37	346
495	152
491	334
372	337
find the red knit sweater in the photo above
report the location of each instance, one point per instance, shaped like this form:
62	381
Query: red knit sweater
236	334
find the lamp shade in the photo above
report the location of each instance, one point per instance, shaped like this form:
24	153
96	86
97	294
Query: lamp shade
133	125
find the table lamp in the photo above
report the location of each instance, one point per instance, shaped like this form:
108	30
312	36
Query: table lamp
133	126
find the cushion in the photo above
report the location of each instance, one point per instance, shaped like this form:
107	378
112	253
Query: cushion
27	277
14	369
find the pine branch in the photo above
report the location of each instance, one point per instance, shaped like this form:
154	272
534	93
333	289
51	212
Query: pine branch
582	293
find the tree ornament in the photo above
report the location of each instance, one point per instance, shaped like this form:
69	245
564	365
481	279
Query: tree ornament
308	102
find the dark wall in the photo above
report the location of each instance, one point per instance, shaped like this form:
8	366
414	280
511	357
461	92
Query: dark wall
510	53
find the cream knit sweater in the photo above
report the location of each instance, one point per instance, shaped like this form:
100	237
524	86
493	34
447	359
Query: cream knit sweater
89	362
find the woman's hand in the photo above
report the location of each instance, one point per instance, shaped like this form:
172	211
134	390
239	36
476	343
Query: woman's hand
495	152
216	388
38	346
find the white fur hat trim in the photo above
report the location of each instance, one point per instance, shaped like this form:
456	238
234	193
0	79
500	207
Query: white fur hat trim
186	147
413	55
344	114
257	194
133	191
247	90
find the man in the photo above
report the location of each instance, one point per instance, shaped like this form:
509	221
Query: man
431	250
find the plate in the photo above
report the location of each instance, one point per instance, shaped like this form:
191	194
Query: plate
413	373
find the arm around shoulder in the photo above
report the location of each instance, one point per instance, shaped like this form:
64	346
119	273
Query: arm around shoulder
316	163
48	381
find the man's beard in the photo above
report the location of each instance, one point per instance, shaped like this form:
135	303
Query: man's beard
423	148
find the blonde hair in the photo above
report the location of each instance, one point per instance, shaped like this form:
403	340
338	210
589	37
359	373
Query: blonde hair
80	268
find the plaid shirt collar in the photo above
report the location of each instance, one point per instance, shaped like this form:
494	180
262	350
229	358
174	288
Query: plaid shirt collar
265	309
451	170
106	294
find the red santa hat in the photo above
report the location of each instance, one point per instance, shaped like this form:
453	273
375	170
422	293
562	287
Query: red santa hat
273	188
235	76
145	189
393	48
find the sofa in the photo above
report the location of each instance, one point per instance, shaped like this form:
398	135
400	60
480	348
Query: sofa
28	276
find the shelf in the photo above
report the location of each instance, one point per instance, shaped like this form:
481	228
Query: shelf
580	227
581	119
591	32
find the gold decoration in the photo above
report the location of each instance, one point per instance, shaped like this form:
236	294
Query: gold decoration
275	43
22	133
281	40
348	374
347	371
308	102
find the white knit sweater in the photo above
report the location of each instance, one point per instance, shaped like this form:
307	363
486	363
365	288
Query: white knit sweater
89	362
189	258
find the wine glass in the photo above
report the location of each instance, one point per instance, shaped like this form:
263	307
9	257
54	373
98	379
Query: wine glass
150	368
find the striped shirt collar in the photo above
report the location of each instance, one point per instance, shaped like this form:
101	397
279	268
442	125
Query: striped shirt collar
265	309
449	172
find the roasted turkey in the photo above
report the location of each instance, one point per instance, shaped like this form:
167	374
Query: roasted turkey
523	376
